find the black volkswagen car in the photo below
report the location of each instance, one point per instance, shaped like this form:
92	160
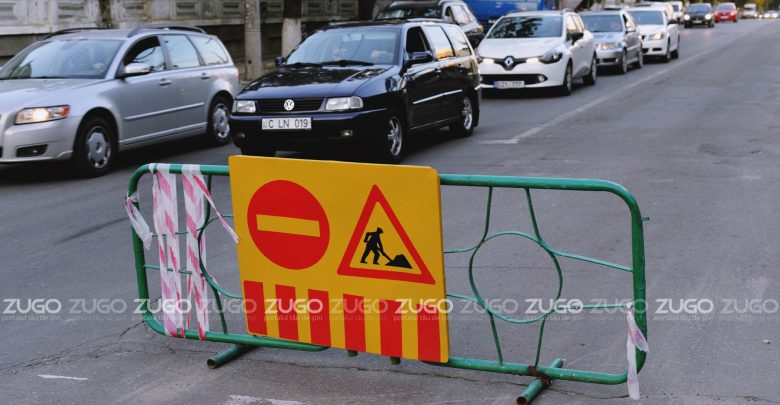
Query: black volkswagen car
369	83
699	13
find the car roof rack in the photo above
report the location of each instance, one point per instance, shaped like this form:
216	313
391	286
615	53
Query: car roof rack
165	27
72	30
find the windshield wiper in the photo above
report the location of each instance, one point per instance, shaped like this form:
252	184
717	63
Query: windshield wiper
347	62
302	64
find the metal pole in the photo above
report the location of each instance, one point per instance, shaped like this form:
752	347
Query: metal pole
253	44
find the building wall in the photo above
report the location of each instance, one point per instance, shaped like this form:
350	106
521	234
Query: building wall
24	21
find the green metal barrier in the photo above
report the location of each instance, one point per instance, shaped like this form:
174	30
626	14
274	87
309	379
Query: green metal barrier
544	374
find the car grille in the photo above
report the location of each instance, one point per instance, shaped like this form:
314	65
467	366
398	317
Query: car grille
527	78
301	104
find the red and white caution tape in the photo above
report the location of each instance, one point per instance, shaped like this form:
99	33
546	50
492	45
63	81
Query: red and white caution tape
194	205
166	219
137	220
636	340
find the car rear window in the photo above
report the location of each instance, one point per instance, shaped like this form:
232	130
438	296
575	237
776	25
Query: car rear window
211	50
409	11
527	27
181	51
458	39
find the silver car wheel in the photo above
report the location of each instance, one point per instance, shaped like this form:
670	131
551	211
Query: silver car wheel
395	136
468	113
98	148
219	118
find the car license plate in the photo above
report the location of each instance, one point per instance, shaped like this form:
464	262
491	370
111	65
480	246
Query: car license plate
514	84
297	123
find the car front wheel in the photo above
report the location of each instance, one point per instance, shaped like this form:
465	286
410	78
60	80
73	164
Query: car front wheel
93	152
465	125
389	147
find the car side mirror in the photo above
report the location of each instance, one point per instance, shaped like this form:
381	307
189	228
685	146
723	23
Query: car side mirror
135	69
576	36
279	61
420	57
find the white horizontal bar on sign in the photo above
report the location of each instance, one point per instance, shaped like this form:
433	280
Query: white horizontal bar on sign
296	226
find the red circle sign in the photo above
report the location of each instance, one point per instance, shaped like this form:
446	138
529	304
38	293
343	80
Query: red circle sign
288	225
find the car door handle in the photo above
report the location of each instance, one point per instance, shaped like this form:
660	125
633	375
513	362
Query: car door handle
205	76
164	82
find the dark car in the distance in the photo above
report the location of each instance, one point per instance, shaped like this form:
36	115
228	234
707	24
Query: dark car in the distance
370	84
698	14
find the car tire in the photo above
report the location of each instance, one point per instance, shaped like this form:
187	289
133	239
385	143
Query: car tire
465	126
676	52
389	147
95	147
640	59
566	87
592	76
258	151
668	57
623	68
218	130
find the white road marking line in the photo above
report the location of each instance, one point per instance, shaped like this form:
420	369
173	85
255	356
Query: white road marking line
247	400
563	117
62	377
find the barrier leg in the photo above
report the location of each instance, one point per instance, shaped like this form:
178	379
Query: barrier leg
229	355
537	385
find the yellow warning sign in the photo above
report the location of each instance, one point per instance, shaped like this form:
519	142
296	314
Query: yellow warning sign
342	254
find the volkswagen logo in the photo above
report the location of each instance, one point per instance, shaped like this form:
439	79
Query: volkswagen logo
509	62
289	105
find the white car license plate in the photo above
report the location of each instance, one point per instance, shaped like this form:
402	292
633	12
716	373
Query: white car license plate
297	123
514	84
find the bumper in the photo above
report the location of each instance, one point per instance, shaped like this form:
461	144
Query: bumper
698	21
609	57
655	48
722	18
534	75
51	140
326	128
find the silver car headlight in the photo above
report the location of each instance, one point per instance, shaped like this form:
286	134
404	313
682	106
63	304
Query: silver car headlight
244	106
42	114
708	16
551	57
657	36
344	103
610	45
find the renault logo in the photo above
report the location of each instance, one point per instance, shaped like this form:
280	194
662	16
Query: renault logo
509	62
289	105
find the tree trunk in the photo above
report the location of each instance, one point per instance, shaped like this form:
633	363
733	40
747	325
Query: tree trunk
291	26
253	54
366	9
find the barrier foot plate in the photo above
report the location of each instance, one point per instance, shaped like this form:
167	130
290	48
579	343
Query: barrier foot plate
541	382
228	355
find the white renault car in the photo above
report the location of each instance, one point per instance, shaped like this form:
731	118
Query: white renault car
660	32
537	49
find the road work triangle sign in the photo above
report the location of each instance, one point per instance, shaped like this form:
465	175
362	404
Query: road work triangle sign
380	248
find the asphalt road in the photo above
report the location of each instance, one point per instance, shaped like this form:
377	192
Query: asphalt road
695	140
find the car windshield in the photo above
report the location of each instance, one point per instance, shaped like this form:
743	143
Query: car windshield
348	46
726	7
675	7
527	27
698	8
409	11
750	7
648	17
63	59
602	23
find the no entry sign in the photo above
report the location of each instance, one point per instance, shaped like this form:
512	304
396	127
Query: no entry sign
343	255
288	225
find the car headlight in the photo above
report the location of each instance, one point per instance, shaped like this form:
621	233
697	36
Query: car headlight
344	103
708	16
657	36
686	17
551	56
42	114
244	106
610	45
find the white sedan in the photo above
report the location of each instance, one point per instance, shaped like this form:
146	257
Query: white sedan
537	49
660	33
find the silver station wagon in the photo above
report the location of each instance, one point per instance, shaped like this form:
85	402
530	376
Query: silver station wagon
83	95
